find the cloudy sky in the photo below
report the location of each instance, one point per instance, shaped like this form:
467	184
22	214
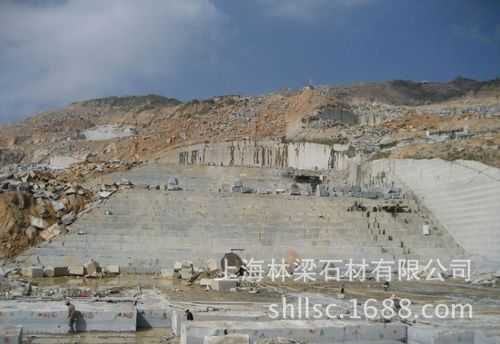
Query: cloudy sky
53	52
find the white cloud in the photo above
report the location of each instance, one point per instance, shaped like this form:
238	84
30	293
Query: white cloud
306	10
85	48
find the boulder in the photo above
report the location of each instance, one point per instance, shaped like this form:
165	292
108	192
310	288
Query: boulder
104	194
70	191
92	267
38	222
177	266
187	273
237	186
187	270
76	270
48	271
51	232
112	269
173	184
32	271
221	284
31	233
68	219
212	265
173	181
58	206
294	190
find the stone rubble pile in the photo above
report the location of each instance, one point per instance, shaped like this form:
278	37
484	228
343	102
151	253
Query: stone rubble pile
91	269
18	282
46	202
213	277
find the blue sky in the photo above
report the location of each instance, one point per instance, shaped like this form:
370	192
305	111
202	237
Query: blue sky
54	52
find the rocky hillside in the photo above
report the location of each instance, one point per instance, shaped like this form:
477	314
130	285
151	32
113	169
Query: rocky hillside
458	119
47	160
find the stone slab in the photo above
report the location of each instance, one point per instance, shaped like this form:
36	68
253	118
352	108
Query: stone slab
76	270
317	331
112	269
219	284
37	317
178	317
11	335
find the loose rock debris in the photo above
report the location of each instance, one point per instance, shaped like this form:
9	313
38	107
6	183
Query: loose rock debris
38	204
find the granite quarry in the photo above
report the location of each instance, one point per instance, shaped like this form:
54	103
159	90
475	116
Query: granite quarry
137	222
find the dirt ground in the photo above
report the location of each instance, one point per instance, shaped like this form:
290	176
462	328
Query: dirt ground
420	292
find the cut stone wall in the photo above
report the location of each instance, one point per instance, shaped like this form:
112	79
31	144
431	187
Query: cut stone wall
308	331
146	230
51	317
269	154
464	196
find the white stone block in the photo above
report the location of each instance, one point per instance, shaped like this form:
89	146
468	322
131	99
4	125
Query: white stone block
38	222
76	270
48	271
220	284
33	271
426	230
51	232
212	265
112	269
104	194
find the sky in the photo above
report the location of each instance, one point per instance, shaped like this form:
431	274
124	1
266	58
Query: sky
53	52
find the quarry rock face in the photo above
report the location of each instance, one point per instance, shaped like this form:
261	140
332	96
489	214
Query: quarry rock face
369	172
213	223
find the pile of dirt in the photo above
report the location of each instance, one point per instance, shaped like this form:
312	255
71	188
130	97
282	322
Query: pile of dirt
15	210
